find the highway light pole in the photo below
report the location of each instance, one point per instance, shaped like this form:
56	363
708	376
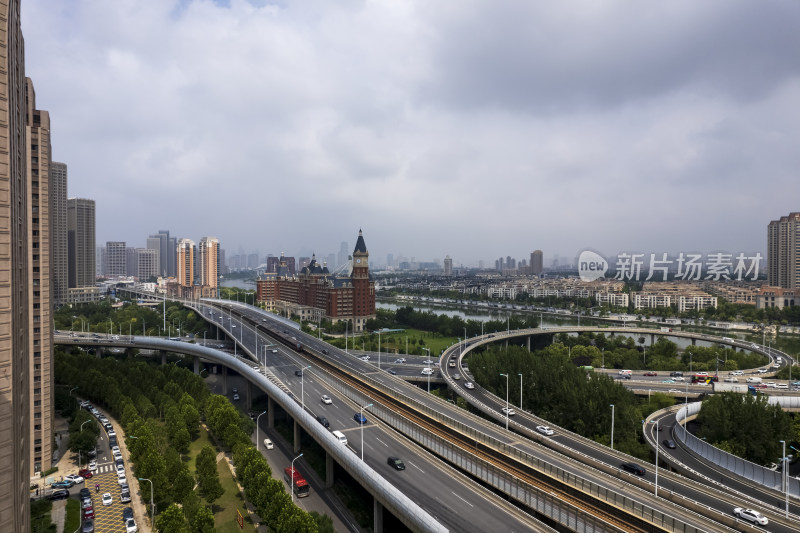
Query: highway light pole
152	507
302	386
612	426
379	349
657	447
520	392
506	375
293	460
257	437
784	476
362	430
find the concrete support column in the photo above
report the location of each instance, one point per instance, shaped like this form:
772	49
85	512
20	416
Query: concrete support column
529	343
224	380
248	395
506	344
377	526
296	443
196	364
270	412
652	339
98	352
163	357
328	471
694	341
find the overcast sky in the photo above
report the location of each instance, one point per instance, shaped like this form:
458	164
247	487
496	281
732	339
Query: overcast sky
471	128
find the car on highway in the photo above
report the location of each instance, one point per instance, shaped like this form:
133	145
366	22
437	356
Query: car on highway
456	376
737	373
751	516
235	397
107	499
782	386
324	421
545	430
268	444
633	468
360	418
762	370
668	381
326	399
669	443
427	371
428	362
392	371
298	373
364	358
469	385
650	373
324	351
731	379
400	360
508	411
679	378
396	463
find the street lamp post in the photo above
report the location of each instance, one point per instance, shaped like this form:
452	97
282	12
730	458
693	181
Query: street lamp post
379	349
429	369
257	437
362	430
293	460
302	387
520	392
612	426
784	476
657	447
152	506
506	375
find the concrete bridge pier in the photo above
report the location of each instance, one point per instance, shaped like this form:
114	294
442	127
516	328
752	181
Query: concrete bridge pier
163	355
296	443
506	344
248	395
377	525
270	412
196	364
652	339
224	380
694	341
529	343
98	352
328	471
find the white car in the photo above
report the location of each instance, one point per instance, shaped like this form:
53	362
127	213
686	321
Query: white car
751	516
427	371
762	370
469	385
737	373
107	499
326	399
75	478
121	479
508	411
678	378
130	526
544	430
92	466
731	379
782	386
268	444
235	397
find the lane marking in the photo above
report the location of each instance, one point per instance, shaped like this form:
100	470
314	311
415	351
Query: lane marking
415	466
462	499
379	440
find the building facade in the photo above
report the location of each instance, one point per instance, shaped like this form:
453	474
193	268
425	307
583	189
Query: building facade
537	263
15	380
448	266
314	293
116	263
40	278
58	232
208	255
783	252
777	297
185	262
81	242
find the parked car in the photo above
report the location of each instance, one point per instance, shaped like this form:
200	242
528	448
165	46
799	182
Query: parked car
633	468
360	418
130	526
60	494
62	484
88	526
751	516
85	473
125	496
88	513
235	397
127	513
396	463
75	478
545	430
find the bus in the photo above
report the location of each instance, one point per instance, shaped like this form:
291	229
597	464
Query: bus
293	478
704	378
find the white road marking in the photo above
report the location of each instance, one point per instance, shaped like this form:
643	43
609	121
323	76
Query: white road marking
462	499
379	440
415	466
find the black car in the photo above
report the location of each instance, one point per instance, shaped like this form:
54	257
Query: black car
60	494
324	351
324	421
392	371
298	373
633	468
127	513
669	443
396	463
85	493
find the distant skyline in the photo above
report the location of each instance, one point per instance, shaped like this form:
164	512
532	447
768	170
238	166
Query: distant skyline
472	129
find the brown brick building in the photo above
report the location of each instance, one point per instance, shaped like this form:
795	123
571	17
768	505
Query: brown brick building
315	293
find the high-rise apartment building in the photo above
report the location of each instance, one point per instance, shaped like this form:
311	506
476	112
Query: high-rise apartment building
783	252
166	247
116	259
185	265
131	260
58	232
208	255
15	379
448	266
146	263
537	262
40	279
81	242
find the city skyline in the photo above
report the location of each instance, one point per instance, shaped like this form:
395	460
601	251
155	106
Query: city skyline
542	130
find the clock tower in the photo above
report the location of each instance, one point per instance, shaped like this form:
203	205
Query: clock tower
363	288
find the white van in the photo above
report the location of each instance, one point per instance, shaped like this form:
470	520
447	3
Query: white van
340	437
752	379
268	444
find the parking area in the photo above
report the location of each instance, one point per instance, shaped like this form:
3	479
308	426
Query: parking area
107	518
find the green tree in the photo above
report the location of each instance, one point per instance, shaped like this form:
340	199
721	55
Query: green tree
203	520
171	520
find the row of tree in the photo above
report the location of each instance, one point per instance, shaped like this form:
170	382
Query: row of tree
160	409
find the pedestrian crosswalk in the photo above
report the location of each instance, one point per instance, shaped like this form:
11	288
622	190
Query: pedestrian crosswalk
102	469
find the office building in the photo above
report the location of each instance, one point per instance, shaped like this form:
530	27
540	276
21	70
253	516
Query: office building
81	242
537	263
131	260
15	379
166	247
58	232
209	262
448	266
40	292
185	262
316	293
146	264
116	259
783	252
343	255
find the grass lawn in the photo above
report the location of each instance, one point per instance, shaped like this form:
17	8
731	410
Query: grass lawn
73	515
225	507
195	447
